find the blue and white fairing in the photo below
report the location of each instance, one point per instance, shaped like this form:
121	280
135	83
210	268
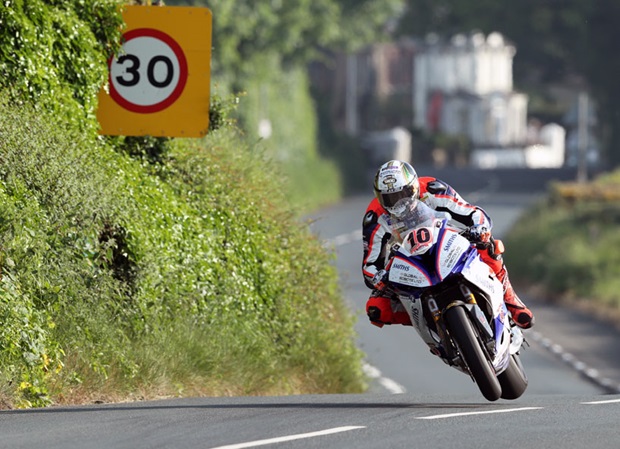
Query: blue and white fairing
431	250
425	265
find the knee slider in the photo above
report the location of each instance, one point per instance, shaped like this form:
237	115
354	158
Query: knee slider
374	313
379	310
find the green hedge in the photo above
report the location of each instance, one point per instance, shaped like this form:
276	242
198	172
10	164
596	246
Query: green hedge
54	52
198	278
567	243
141	267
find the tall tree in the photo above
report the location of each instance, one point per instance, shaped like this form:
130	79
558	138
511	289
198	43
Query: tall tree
246	33
556	39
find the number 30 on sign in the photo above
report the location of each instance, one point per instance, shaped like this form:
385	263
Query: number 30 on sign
151	72
159	82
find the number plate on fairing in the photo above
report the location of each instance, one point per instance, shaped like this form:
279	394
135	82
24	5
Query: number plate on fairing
419	240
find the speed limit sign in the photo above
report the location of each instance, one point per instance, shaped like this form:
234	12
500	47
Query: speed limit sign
150	74
159	82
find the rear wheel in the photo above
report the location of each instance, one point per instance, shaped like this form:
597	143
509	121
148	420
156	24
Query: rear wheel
466	338
513	380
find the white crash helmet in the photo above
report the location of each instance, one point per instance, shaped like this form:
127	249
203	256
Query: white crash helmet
397	187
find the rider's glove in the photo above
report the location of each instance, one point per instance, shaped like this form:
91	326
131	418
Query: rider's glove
479	234
379	280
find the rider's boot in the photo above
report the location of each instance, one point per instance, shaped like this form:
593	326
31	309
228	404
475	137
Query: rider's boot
521	315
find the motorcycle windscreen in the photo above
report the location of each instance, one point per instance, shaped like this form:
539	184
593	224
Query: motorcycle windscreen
407	272
451	247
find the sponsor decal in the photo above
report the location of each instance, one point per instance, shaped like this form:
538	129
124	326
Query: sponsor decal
389	182
502	313
415	279
401	266
486	282
416	317
369	218
451	258
449	242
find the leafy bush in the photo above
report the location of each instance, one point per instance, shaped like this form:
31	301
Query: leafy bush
117	265
566	244
140	267
54	53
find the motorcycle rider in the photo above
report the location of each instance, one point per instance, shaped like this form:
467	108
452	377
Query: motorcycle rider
397	190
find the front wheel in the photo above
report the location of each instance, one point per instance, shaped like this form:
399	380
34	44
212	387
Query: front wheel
513	380
466	338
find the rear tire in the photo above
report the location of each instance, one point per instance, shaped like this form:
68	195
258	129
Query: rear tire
466	338
513	380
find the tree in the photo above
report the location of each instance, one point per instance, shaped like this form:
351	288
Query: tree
556	40
248	35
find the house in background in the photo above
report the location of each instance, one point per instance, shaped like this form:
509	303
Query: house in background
462	87
465	87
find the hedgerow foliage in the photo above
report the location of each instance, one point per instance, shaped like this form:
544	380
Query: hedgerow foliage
115	266
138	267
54	51
573	252
53	203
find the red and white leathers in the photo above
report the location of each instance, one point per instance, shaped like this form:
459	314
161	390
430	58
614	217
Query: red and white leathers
379	227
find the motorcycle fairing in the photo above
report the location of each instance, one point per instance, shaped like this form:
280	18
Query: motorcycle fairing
415	308
479	273
452	254
450	246
411	270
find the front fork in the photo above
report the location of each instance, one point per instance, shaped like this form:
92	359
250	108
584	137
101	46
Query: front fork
478	318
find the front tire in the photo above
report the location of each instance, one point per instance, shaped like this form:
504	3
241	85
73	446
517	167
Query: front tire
466	338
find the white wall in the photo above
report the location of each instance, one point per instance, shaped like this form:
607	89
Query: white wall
474	74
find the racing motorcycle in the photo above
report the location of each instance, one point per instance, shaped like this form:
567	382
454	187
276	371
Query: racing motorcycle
455	302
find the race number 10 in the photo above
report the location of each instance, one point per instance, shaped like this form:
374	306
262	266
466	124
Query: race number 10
149	73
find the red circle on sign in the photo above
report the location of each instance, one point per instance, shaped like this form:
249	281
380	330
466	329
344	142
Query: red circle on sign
178	90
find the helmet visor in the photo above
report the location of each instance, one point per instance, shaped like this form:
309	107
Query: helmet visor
389	199
403	208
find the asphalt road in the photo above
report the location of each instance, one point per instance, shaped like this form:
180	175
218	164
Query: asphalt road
416	401
425	421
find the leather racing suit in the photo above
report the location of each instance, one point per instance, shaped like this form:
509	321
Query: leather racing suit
378	228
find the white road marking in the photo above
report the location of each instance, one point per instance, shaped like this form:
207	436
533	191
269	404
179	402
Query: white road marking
389	384
343	239
452	415
610	401
590	373
371	371
299	436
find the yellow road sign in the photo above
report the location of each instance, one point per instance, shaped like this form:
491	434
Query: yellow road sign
159	83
